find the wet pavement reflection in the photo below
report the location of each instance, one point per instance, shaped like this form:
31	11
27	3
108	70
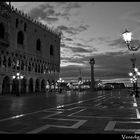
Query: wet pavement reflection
83	108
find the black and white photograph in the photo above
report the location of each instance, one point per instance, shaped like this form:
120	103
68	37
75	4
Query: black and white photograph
70	68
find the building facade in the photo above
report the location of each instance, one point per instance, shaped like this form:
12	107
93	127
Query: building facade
29	53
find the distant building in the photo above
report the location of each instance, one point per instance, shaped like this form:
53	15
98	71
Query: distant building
27	48
117	85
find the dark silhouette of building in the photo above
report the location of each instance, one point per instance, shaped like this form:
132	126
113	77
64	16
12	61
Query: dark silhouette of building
117	85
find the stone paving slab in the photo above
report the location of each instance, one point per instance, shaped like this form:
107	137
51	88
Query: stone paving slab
88	115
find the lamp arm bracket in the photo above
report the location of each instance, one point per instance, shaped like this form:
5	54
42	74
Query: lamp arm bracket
133	48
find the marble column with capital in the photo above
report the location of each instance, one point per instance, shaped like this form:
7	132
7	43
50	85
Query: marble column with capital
92	62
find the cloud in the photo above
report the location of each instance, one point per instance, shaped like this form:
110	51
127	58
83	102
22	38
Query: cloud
135	16
121	44
107	65
53	11
103	38
44	12
68	39
117	42
80	50
70	6
73	30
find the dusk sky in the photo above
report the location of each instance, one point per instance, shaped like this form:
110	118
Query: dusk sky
91	29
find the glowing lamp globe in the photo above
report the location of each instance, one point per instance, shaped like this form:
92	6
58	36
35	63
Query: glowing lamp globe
127	36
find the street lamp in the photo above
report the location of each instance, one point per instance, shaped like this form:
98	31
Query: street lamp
80	84
18	76
134	78
59	81
127	36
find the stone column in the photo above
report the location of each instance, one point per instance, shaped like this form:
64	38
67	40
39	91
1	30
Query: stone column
0	88
10	87
34	82
27	86
92	62
19	80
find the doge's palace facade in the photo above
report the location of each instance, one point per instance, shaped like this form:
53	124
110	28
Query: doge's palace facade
29	53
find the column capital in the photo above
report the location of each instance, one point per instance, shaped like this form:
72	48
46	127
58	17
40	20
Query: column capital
92	61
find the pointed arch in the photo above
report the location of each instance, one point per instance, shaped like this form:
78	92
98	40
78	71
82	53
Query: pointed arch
43	88
6	85
37	85
23	86
31	85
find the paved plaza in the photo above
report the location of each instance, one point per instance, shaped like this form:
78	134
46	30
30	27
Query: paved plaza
102	112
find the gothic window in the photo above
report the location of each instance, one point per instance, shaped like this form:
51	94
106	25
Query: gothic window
25	65
38	45
22	65
2	31
29	67
4	61
36	68
9	62
20	38
25	27
41	68
33	66
18	65
46	67
14	63
0	61
51	50
17	22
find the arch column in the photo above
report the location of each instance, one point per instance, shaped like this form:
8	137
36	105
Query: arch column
5	85
27	86
16	87
0	88
30	86
39	86
19	85
34	84
43	86
10	87
1	81
50	86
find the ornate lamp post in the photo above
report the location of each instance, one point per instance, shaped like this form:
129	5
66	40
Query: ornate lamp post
92	62
134	78
60	81
18	76
127	36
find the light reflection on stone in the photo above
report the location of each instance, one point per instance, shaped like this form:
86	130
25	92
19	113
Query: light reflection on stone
60	99
17	104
